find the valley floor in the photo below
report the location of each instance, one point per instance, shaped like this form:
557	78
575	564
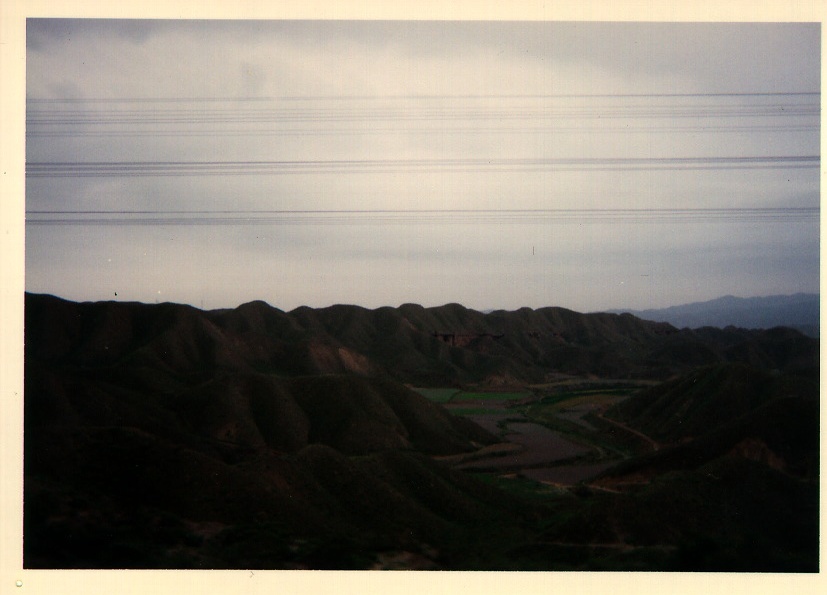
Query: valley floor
553	433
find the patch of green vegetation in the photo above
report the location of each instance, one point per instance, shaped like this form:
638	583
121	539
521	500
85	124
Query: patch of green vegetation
595	399
437	395
474	411
511	420
577	397
521	486
469	396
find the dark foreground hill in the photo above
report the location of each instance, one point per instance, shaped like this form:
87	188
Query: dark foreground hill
326	471
726	410
739	451
161	436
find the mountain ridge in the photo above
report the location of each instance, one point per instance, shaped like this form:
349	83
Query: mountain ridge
800	311
437	346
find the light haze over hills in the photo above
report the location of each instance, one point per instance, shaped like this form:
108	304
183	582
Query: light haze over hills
800	311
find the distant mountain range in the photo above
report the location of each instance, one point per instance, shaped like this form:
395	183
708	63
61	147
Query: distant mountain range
799	311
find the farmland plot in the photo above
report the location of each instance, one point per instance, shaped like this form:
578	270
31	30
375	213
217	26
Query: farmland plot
541	447
549	436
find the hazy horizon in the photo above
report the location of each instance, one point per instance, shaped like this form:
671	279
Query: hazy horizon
205	306
500	164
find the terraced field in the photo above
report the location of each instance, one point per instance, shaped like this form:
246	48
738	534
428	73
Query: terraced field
552	433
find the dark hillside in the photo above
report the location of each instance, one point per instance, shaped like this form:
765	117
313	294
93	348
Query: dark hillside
781	434
126	499
169	477
706	399
730	514
426	346
163	436
735	483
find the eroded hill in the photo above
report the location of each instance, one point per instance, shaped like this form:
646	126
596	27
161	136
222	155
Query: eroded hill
422	346
162	436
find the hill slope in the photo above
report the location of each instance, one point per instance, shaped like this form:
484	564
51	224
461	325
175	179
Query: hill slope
708	398
161	436
421	346
735	482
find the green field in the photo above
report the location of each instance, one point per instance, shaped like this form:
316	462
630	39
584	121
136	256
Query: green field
521	486
574	398
469	396
549	410
474	411
453	395
437	395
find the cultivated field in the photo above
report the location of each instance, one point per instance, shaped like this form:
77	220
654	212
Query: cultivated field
552	433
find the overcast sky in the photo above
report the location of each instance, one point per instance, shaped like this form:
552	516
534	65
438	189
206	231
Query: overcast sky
499	165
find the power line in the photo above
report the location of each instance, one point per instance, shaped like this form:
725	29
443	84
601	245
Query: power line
413	216
420	130
438	114
491	114
343	98
384	166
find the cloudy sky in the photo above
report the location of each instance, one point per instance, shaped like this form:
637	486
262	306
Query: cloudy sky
499	164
